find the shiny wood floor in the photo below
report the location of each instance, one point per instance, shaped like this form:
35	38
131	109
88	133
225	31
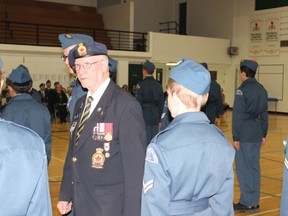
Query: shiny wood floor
271	162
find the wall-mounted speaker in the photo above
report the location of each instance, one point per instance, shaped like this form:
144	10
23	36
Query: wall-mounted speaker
232	51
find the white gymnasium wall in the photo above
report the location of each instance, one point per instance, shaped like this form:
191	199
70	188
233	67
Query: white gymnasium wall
148	14
43	63
210	18
118	17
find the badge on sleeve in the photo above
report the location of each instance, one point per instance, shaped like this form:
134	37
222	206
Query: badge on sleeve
103	132
239	92
151	156
98	159
148	185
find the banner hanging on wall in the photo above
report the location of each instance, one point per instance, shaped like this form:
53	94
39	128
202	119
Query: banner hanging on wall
264	36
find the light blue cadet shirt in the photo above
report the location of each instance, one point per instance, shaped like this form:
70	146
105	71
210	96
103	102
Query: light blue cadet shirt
24	188
189	165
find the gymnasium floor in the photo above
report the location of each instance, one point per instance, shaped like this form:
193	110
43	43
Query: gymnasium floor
271	162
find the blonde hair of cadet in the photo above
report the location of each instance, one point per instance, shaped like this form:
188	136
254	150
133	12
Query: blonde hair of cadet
187	97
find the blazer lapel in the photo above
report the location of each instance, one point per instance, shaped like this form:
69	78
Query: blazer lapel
97	115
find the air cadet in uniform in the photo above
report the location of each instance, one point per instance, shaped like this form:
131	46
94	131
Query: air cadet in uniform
150	96
284	198
24	110
188	168
214	105
68	42
24	188
249	127
104	166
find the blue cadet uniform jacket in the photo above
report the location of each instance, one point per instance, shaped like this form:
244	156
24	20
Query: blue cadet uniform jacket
24	110
284	198
77	93
24	188
250	112
103	173
214	105
188	170
151	98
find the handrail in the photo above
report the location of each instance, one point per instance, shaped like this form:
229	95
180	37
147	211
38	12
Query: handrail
171	27
47	35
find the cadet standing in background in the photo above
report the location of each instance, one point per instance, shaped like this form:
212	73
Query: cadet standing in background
214	105
249	127
150	96
24	188
189	165
104	166
24	110
68	42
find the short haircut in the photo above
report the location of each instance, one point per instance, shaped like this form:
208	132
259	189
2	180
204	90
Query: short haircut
20	88
247	71
188	98
48	81
42	84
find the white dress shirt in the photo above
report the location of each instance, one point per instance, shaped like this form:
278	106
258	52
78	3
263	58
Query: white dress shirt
97	94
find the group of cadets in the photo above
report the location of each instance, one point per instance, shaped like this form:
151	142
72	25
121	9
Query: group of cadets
187	166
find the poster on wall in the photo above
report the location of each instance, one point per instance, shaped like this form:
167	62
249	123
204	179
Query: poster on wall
271	42
264	36
256	37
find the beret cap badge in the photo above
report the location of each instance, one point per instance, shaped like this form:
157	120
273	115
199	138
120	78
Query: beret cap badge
82	50
69	36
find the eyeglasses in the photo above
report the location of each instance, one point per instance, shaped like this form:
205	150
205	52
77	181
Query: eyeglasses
64	57
85	66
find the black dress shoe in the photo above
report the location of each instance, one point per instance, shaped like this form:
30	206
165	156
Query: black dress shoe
243	208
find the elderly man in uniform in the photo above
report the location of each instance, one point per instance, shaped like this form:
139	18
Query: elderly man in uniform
249	127
68	42
104	166
188	168
151	98
24	188
24	110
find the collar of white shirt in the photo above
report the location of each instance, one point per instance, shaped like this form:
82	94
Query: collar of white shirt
98	94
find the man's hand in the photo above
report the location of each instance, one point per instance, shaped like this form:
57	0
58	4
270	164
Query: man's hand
263	141
237	145
64	207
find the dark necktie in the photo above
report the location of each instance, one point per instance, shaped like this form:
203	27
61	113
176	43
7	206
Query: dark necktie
84	118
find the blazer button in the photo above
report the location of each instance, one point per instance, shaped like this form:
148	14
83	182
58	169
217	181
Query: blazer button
74	159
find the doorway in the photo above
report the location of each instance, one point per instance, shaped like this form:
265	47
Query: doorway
182	18
134	74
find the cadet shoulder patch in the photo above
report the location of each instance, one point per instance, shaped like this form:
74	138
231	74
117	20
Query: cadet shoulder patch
239	92
148	185
151	156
